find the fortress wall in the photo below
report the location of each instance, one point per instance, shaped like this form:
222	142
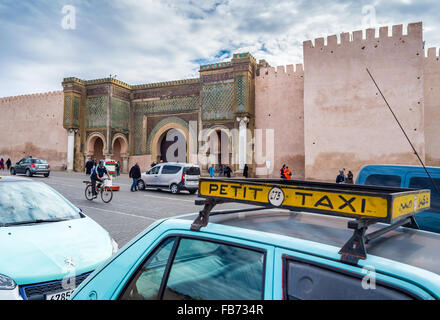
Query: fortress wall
279	105
347	123
32	125
432	107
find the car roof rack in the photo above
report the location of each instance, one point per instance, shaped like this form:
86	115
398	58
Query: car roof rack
366	204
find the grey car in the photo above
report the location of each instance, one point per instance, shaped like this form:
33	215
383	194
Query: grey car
171	176
30	167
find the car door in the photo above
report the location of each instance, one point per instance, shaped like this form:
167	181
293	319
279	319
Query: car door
300	276
169	175
21	166
184	266
151	179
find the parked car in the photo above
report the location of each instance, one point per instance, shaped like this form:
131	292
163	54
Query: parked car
47	245
257	253
407	177
171	176
30	167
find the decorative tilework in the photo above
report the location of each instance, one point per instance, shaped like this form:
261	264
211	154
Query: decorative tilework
97	112
120	113
138	118
76	102
241	93
170	105
68	110
218	101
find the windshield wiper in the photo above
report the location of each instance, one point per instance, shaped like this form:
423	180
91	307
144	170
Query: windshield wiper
32	222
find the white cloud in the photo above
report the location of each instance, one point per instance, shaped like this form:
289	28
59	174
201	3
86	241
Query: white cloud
151	40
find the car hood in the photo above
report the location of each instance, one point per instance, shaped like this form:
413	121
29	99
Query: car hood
43	252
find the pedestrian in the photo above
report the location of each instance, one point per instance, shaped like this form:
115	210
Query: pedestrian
350	177
211	171
153	164
341	177
220	171
288	173
89	166
227	171
8	163
2	164
135	174
246	171
118	168
283	172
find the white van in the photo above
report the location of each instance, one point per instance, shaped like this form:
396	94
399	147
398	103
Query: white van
172	176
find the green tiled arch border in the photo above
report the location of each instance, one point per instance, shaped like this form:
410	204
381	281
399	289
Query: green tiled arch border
162	123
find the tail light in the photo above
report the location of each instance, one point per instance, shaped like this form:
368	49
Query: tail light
183	177
32	165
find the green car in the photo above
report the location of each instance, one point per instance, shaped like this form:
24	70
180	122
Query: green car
300	240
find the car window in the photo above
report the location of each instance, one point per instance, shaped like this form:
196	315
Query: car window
192	171
426	183
167	169
155	170
204	270
305	281
146	283
384	180
29	201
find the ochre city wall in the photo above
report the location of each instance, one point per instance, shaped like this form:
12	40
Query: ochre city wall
32	125
432	107
279	105
347	123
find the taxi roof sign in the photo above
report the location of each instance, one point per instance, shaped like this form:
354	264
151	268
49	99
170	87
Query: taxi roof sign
366	204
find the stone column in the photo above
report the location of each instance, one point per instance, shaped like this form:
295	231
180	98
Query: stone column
242	141
70	149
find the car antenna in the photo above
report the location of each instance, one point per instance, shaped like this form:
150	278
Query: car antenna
412	146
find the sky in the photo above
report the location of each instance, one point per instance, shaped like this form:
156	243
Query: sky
146	41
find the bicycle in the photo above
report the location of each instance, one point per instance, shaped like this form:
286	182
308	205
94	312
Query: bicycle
106	192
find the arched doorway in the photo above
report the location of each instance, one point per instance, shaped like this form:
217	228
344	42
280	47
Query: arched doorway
220	146
98	149
96	146
120	147
173	146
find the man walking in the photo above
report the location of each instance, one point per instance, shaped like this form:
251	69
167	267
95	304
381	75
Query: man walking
8	163
135	174
246	171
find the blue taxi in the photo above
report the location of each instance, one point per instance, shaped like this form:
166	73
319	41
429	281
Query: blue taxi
300	240
47	245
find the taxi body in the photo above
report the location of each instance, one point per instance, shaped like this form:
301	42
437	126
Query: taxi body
47	245
270	254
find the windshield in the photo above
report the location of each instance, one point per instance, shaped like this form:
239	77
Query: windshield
32	201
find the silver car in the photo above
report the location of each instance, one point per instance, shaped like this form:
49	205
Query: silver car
172	176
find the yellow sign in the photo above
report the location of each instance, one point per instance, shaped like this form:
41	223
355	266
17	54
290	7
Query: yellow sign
346	203
407	204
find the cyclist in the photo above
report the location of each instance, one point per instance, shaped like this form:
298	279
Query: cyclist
98	172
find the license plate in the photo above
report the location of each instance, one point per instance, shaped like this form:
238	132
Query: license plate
63	295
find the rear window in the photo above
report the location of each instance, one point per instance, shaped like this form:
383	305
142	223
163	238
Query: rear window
171	169
38	161
306	281
384	180
426	183
192	171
